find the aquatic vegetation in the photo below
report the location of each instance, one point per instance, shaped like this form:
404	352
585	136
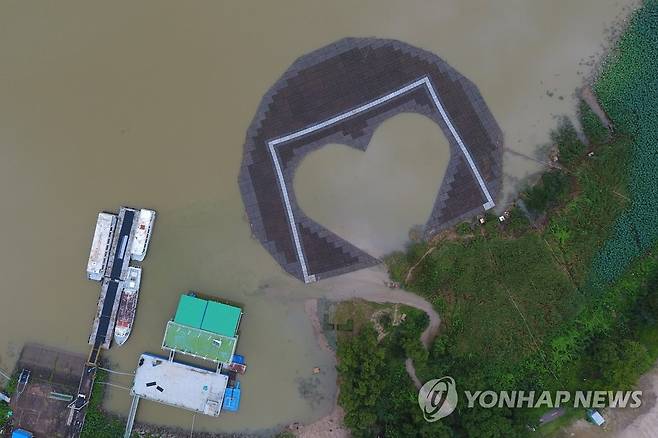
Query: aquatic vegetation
628	91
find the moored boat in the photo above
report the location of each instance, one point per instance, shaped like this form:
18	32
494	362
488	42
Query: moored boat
142	235
127	306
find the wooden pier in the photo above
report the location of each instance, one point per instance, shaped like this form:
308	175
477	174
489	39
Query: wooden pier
131	416
102	330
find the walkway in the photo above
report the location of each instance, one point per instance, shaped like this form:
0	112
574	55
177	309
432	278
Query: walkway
369	285
341	93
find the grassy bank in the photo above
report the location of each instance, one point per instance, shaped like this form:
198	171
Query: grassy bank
98	423
5	410
566	302
375	390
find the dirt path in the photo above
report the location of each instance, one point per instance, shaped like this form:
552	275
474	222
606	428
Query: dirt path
588	96
369	285
411	370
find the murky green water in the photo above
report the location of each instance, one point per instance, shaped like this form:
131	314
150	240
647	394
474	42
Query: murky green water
147	103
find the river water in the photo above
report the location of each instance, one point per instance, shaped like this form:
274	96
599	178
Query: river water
147	104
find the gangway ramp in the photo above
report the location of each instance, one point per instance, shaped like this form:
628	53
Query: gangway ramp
131	417
108	305
117	267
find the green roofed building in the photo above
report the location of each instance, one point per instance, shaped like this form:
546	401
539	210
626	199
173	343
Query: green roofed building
190	311
203	329
221	319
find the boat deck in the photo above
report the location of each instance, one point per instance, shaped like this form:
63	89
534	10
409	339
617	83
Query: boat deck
199	343
101	245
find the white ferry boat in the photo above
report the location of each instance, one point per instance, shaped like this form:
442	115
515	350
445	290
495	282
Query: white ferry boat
142	235
127	306
101	245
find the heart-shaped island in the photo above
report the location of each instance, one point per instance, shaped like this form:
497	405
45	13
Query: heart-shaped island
340	94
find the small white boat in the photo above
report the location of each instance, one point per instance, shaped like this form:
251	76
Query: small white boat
142	235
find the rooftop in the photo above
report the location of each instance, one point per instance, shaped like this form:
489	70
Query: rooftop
211	316
101	243
179	385
199	343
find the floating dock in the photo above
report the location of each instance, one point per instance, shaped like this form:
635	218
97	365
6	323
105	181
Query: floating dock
118	275
204	329
112	286
109	262
117	266
179	385
102	331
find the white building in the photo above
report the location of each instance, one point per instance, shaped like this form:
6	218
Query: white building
179	385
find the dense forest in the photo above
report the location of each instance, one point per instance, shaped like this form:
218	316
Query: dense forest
561	295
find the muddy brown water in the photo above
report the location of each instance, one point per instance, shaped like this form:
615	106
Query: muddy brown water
146	104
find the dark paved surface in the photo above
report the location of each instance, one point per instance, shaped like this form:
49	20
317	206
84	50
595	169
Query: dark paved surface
336	79
51	370
124	232
106	313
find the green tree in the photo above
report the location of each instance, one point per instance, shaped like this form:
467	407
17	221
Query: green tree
595	131
570	148
617	364
361	365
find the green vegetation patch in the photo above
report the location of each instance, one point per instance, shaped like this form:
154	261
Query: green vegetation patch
375	390
593	129
497	292
570	147
580	227
98	423
628	91
551	189
564	305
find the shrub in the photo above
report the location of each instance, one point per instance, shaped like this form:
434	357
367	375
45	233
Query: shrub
551	189
570	148
464	228
595	131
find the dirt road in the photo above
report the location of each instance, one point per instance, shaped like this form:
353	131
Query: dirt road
370	285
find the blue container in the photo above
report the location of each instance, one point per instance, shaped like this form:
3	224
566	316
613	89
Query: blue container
20	433
238	358
232	398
